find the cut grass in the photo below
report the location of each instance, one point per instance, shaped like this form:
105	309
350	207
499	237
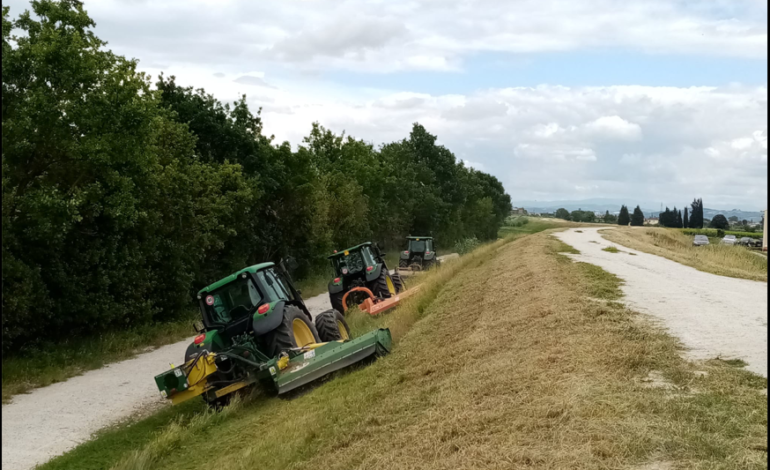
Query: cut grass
51	363
724	260
503	360
611	249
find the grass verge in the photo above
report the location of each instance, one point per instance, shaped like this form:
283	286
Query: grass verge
611	249
511	356
51	363
724	260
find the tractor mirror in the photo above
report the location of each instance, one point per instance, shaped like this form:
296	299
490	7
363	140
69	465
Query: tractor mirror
290	263
198	326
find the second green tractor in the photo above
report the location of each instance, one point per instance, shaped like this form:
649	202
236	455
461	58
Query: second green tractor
361	266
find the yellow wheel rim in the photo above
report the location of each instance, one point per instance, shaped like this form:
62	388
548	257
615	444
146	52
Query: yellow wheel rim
302	334
343	331
391	287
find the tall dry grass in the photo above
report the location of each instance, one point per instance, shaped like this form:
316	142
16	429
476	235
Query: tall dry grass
724	260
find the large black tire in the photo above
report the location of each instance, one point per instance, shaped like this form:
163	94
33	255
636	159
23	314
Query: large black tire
403	263
283	338
336	301
379	286
331	326
397	281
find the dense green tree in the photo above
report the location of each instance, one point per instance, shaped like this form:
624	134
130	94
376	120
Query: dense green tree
637	218
120	200
623	217
686	219
667	218
696	213
719	221
562	213
678	222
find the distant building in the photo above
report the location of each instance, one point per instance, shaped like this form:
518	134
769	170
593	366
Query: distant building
651	221
519	211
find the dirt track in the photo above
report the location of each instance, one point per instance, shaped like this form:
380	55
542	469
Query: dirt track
714	316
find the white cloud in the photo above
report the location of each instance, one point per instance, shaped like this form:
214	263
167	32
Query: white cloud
644	142
383	36
614	127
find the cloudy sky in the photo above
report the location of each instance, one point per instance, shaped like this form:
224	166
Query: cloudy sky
651	100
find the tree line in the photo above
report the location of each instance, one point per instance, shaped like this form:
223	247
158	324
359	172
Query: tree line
668	218
121	199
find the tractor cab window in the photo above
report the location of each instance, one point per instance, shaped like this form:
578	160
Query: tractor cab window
274	285
428	245
232	301
368	256
417	246
351	263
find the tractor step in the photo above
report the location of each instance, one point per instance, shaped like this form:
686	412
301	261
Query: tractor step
329	357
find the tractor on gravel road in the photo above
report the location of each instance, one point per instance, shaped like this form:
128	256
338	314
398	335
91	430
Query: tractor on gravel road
256	328
360	271
419	254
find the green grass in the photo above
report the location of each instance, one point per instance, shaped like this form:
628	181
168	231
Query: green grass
51	363
505	359
611	249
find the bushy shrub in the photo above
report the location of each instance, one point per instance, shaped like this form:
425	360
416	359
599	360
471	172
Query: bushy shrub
466	245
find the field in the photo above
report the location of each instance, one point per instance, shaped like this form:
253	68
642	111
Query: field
511	356
725	260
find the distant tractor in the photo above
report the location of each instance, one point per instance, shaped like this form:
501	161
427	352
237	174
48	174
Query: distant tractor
419	254
361	266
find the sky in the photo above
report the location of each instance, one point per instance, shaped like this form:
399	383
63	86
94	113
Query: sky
656	100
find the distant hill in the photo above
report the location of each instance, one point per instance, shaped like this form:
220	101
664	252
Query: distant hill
613	205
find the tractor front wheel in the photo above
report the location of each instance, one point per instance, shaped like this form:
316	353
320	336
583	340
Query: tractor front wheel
295	331
331	326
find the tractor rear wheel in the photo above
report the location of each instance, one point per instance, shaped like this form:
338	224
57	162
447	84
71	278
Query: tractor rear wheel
383	286
331	326
336	301
397	282
295	331
402	263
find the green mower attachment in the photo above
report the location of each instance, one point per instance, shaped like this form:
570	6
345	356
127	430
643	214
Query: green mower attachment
290	370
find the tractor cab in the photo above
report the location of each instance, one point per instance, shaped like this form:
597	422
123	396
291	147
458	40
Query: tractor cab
419	254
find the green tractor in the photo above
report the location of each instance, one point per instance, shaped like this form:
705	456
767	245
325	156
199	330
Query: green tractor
256	328
361	266
419	254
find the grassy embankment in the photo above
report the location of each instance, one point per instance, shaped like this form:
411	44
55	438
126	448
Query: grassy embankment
724	260
505	359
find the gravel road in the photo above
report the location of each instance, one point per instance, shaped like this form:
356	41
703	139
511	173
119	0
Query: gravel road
51	420
714	316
